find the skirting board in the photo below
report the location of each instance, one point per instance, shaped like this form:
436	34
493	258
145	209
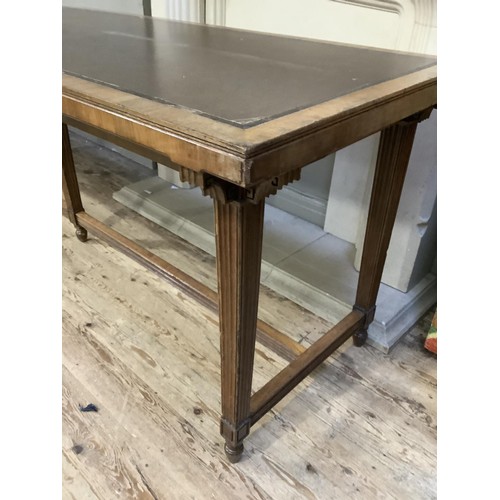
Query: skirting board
308	208
290	246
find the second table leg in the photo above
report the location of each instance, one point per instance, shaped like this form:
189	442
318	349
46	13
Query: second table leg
70	187
392	161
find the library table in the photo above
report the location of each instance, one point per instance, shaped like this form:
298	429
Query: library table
239	113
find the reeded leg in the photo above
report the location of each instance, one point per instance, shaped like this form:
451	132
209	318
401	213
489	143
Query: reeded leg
392	161
239	225
70	187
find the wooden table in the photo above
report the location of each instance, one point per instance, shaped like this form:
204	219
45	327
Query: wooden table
240	113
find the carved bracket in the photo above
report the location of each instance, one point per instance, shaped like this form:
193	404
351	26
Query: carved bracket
227	192
417	117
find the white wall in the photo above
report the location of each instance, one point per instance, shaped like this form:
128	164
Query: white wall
121	6
321	19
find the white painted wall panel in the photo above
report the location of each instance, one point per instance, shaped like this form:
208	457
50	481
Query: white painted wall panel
320	19
121	6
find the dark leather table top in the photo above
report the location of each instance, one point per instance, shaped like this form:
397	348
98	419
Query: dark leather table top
240	77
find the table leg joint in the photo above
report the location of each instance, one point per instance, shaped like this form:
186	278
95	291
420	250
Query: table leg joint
282	383
234	434
227	192
369	314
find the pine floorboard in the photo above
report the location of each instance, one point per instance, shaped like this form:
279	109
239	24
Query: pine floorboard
363	425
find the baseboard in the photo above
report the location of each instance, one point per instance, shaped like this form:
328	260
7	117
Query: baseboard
306	207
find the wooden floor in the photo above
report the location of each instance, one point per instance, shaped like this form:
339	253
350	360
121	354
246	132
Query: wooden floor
363	425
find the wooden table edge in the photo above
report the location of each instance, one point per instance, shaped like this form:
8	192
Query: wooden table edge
243	156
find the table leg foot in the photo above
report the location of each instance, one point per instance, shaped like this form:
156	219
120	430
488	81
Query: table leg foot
81	233
359	338
233	453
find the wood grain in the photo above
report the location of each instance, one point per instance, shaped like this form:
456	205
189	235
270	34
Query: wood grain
363	425
268	335
320	427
